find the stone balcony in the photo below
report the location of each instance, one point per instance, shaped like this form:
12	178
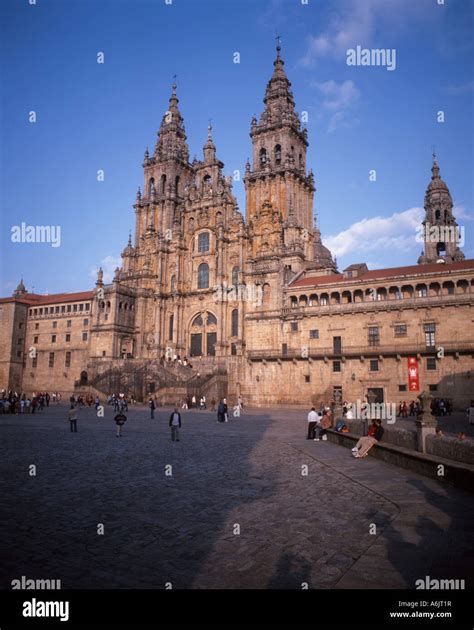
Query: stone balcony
297	312
408	348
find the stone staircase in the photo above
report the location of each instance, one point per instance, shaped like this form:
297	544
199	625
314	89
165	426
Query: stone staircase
169	382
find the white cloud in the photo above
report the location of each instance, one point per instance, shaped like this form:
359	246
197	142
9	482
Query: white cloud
460	212
337	98
108	264
464	88
359	22
378	234
338	95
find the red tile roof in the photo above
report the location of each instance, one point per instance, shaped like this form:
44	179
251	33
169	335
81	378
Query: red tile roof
381	274
34	299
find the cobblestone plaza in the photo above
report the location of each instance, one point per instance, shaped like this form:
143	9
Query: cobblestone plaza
235	510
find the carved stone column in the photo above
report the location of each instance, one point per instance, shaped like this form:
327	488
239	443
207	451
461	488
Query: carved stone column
425	421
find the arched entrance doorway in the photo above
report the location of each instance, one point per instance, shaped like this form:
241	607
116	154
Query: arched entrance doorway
203	335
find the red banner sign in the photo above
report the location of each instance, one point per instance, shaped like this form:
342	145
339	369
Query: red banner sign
413	375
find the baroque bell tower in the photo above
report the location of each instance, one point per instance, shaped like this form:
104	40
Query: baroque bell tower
278	171
441	233
278	186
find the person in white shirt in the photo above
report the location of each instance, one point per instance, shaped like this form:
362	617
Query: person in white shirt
313	419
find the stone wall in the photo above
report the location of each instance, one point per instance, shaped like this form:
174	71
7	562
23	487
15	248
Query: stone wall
451	448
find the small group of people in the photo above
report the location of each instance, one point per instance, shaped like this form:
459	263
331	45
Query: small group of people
318	423
120	402
13	402
194	402
174	359
74	410
406	409
441	407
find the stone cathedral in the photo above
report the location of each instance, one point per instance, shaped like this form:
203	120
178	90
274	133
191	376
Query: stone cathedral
256	305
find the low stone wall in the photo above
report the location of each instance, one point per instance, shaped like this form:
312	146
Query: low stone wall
405	438
455	473
451	448
355	426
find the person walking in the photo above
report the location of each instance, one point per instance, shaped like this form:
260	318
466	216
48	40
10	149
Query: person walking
175	424
221	411
313	420
151	404
226	410
120	420
72	415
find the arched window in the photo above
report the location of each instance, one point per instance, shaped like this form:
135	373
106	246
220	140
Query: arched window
176	184
235	323
151	187
173	283
206	183
163	184
84	378
203	276
263	157
170	330
203	242
211	319
198	321
301	160
278	154
266	295
235	276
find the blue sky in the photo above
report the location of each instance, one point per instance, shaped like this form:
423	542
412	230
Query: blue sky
94	116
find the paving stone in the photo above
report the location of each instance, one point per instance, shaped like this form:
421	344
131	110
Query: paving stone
294	528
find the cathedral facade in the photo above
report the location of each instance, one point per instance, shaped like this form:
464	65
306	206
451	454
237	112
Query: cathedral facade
256	305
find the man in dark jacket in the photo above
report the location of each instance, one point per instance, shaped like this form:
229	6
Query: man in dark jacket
120	420
175	424
221	411
151	405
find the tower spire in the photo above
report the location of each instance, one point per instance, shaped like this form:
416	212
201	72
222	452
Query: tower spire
441	234
171	142
435	167
209	147
279	102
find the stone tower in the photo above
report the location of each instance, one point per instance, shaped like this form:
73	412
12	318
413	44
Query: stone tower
165	174
441	234
278	171
283	239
